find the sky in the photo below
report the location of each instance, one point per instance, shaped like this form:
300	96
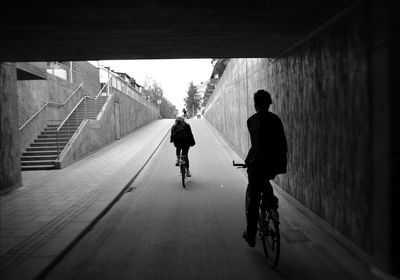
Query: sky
173	75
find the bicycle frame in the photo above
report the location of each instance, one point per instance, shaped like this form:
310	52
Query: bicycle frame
268	225
182	167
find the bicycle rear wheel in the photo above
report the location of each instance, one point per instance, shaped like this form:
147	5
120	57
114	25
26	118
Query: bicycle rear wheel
270	237
183	173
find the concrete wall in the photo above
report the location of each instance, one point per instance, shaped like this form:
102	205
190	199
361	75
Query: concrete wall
91	76
320	91
33	94
10	169
385	101
93	134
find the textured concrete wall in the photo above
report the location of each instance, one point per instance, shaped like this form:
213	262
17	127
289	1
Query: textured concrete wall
52	113
385	121
96	133
133	114
33	94
320	92
90	74
10	170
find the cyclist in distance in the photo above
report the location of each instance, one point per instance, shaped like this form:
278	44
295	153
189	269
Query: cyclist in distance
182	137
184	113
266	158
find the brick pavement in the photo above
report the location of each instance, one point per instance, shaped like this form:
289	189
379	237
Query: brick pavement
45	217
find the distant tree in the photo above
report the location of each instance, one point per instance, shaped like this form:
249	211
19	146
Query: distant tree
167	109
152	89
192	101
154	92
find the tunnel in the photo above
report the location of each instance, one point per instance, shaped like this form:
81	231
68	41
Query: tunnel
329	65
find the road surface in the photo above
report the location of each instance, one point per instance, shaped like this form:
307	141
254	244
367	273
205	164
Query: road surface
159	230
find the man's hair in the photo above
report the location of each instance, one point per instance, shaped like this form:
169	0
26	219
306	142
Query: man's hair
179	121
262	98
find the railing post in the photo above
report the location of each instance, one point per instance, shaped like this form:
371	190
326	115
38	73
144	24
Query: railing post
58	146
70	71
84	108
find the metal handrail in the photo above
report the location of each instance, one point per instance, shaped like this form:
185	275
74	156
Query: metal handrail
33	116
72	111
95	104
137	96
62	124
67	69
69	115
97	96
49	103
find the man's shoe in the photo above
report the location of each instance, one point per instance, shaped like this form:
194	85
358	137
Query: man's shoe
252	243
188	173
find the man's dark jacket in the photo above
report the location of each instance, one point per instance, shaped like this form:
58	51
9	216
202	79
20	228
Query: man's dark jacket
181	135
268	143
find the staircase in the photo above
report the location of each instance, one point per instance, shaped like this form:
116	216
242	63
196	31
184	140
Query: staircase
42	152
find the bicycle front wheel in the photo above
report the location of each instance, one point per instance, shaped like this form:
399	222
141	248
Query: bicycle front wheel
270	237
183	173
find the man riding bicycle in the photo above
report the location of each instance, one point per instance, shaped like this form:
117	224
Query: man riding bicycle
184	113
265	159
182	137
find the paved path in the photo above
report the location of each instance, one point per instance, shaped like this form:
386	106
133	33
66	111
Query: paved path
158	230
46	216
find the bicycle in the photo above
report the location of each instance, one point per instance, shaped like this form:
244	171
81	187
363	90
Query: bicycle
182	167
268	226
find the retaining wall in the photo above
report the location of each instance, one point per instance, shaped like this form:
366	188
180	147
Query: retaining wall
10	163
93	134
33	94
320	91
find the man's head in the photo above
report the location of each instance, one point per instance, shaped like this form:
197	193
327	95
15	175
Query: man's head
179	120
262	100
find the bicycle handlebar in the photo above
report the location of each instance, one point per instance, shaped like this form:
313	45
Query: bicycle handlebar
239	164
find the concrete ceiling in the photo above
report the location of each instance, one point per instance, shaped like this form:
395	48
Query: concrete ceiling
123	29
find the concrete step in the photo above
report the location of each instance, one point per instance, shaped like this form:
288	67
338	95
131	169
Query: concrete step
63	136
40	153
74	124
82	111
47	140
68	126
54	133
87	109
60	134
37	143
48	144
62	129
38	157
45	148
37	162
37	167
83	115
